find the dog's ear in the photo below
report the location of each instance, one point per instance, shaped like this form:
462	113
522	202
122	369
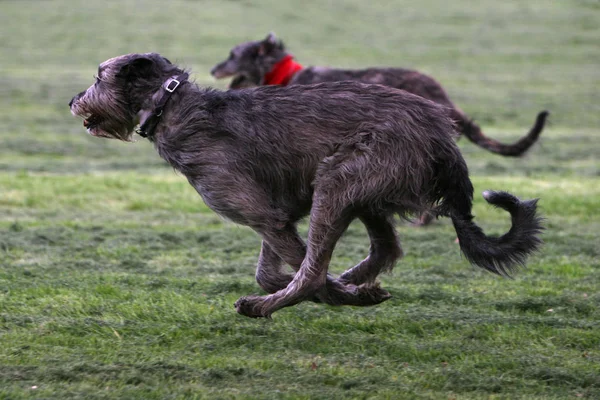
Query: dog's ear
271	37
141	66
269	44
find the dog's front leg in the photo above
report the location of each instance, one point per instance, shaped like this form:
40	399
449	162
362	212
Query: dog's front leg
269	270
280	245
286	245
312	280
312	274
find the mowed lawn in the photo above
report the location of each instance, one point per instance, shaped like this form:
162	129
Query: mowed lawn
116	281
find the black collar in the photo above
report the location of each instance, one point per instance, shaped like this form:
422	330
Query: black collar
148	127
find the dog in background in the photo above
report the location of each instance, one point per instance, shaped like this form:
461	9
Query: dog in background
335	151
267	62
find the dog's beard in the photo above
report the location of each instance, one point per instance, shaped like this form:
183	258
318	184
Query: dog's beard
104	116
100	126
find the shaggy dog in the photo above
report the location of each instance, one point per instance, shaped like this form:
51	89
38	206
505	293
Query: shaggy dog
267	157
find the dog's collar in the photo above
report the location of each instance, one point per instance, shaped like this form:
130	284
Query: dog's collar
282	72
146	130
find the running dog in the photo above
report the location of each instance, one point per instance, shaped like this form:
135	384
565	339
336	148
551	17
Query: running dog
270	156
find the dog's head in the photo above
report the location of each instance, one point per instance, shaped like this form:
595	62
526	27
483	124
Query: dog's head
124	86
249	62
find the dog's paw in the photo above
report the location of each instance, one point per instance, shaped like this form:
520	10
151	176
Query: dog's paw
371	294
251	306
338	293
346	279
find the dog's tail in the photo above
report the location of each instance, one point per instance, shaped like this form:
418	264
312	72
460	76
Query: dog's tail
500	255
475	135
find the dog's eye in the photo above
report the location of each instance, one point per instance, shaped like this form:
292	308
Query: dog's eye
231	55
97	79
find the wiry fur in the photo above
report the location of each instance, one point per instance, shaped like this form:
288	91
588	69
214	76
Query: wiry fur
249	62
508	251
267	157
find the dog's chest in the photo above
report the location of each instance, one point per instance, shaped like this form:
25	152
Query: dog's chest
243	184
248	201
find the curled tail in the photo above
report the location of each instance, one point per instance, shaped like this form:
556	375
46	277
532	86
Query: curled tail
474	134
501	255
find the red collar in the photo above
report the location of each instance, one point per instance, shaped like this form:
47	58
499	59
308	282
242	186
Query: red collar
282	72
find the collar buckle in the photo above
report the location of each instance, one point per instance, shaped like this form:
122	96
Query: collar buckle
147	128
169	88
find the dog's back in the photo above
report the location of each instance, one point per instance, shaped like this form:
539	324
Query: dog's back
398	78
315	118
283	137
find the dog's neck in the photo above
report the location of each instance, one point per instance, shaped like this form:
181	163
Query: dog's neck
282	72
150	119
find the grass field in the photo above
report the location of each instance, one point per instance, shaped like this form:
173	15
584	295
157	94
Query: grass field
117	282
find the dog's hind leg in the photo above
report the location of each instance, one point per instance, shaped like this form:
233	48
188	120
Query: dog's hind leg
324	232
385	250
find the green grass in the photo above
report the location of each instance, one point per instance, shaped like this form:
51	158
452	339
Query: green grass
117	282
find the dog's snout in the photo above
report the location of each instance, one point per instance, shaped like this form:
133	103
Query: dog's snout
75	98
222	70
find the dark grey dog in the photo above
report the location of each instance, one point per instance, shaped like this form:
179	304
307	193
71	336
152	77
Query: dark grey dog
266	62
267	157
